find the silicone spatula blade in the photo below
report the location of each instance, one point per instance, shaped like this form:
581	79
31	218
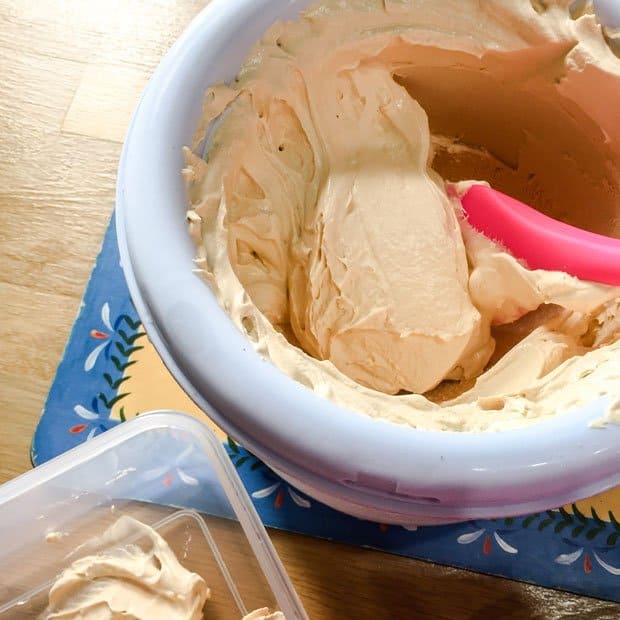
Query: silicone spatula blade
541	241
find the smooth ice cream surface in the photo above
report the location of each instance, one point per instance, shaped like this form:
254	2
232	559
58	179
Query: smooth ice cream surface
326	225
129	581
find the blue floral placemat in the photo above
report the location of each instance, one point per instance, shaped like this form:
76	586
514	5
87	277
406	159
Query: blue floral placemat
110	372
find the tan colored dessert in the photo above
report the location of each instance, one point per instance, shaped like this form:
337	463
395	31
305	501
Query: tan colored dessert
264	614
325	226
130	581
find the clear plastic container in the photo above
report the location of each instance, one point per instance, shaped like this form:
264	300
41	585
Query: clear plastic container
143	468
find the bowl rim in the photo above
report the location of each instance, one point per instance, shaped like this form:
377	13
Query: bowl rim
219	369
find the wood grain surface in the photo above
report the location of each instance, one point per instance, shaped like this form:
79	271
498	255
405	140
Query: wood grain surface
71	72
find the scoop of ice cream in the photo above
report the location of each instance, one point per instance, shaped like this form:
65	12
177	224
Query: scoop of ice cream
384	293
140	582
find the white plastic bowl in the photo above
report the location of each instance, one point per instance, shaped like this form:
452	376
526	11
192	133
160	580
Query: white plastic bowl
368	468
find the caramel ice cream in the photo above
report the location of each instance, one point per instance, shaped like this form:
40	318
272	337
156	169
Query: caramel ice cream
328	222
128	581
264	614
132	581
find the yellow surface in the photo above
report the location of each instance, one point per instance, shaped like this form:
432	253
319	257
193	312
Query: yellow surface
70	74
603	504
150	386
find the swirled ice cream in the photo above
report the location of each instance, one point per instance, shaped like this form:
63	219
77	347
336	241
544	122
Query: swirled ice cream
326	224
129	581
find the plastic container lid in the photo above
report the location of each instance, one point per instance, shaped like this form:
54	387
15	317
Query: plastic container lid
144	468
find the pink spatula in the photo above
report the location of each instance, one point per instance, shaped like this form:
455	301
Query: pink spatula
541	241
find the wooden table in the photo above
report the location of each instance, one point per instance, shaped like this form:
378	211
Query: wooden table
71	72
